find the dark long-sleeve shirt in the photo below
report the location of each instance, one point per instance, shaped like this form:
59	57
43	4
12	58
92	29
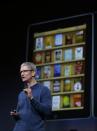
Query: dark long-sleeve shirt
32	113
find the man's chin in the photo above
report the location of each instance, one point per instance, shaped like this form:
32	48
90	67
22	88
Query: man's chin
24	80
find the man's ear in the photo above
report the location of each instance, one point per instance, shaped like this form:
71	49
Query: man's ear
33	73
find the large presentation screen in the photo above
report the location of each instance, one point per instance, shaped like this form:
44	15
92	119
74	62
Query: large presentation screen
62	52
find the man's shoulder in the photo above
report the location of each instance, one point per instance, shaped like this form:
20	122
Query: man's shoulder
21	93
41	85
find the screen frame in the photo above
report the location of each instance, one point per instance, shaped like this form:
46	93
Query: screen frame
95	66
62	23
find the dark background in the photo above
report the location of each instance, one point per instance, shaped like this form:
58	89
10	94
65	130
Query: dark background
14	20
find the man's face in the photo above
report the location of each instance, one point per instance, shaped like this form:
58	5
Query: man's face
26	73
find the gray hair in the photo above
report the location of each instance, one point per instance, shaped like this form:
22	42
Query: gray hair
30	65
